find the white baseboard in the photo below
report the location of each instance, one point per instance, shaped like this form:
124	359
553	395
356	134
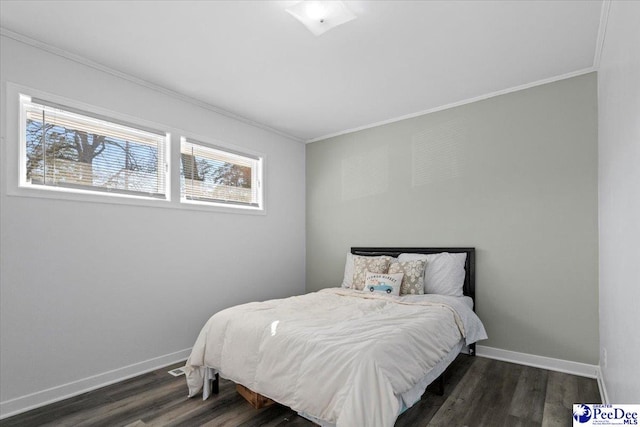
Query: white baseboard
25	403
559	365
603	388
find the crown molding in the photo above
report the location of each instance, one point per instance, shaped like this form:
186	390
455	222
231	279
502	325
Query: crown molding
141	82
602	32
458	103
177	95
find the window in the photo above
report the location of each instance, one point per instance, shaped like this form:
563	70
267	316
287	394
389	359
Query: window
70	149
219	176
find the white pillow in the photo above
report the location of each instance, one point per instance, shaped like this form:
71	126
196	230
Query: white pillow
347	280
387	284
444	273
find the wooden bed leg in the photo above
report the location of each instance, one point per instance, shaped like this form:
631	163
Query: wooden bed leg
440	385
472	349
215	384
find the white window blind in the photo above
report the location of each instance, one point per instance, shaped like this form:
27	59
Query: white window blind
220	176
68	148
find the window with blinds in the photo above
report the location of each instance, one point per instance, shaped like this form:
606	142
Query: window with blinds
219	176
68	148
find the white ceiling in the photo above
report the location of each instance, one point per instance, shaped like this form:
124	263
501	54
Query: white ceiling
254	60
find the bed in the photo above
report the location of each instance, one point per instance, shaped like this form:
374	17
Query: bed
345	356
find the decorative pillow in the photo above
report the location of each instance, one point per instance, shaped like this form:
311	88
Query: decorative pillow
347	280
362	264
387	284
413	281
444	273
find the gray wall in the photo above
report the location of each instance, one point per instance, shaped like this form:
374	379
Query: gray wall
91	292
619	203
515	176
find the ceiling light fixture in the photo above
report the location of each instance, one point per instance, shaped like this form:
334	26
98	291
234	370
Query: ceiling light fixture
319	16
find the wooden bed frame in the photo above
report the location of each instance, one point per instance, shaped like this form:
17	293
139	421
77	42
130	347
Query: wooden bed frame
469	287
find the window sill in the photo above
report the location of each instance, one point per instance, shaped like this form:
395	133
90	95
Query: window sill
127	200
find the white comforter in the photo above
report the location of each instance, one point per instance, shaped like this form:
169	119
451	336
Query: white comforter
339	355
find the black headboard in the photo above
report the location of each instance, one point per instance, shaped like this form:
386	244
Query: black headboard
469	288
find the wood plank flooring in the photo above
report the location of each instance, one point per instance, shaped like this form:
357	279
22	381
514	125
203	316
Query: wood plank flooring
478	392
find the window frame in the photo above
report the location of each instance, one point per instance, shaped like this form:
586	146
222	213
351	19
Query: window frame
12	151
163	162
256	174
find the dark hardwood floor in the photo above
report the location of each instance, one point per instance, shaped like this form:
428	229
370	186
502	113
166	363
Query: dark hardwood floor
478	392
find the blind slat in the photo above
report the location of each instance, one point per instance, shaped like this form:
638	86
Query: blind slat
215	154
65	108
76	123
105	157
214	175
